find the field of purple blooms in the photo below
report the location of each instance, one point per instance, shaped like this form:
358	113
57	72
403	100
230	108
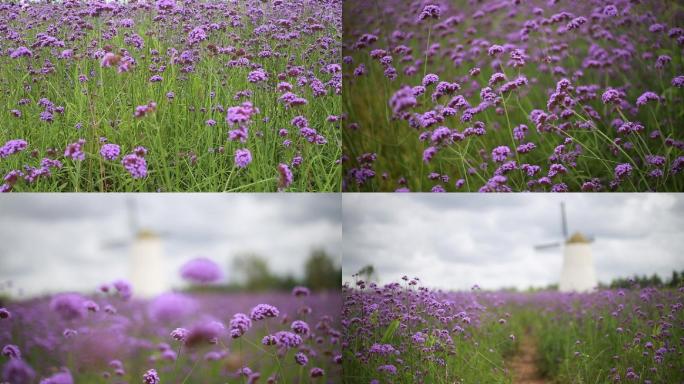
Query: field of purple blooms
112	337
510	95
170	95
405	333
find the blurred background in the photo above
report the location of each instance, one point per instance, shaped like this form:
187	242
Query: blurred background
517	242
75	242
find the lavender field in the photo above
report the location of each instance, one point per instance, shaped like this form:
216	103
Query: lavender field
174	338
186	95
405	333
500	96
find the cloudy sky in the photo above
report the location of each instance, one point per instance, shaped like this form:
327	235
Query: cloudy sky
453	241
62	242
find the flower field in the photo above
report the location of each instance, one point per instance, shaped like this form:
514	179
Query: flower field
499	96
170	96
112	337
405	333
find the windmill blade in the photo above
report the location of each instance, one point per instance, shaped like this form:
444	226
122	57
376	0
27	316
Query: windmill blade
132	211
547	246
564	221
115	244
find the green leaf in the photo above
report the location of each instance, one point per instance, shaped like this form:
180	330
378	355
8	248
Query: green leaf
389	332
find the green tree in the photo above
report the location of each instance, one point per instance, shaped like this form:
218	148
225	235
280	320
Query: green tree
321	272
367	272
255	274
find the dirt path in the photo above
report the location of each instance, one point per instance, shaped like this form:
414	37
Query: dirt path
523	365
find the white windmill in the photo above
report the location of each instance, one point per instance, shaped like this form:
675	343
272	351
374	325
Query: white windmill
146	256
578	273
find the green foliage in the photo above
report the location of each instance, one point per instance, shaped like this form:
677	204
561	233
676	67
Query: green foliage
251	272
648	281
321	271
184	152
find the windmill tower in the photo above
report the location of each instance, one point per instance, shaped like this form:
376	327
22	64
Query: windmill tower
578	273
146	256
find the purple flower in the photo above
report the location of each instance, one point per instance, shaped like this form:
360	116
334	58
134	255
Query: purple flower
263	311
151	377
11	351
611	96
5	314
75	150
285	176
429	153
17	371
500	153
135	165
495	50
300	327
63	377
389	369
240	114
242	157
201	270
204	332
171	307
301	358
419	338
21	52
610	10
123	288
622	171
11	147
196	35
110	151
300	291
430	79
287	339
179	334
68	305
109	59
382	349
646	97
239	325
316	372
257	76
430	11
678	81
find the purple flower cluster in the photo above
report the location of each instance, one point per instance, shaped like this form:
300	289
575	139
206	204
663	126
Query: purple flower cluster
288	51
11	147
531	69
109	342
239	325
110	151
135	163
263	311
405	332
75	150
201	270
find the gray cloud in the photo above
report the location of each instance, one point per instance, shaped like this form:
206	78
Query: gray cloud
77	241
454	241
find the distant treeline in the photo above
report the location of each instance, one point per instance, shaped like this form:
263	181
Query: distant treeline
673	281
250	272
368	273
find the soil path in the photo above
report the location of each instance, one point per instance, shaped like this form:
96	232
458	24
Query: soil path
524	363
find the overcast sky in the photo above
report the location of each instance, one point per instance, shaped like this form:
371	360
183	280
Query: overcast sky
453	241
58	242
